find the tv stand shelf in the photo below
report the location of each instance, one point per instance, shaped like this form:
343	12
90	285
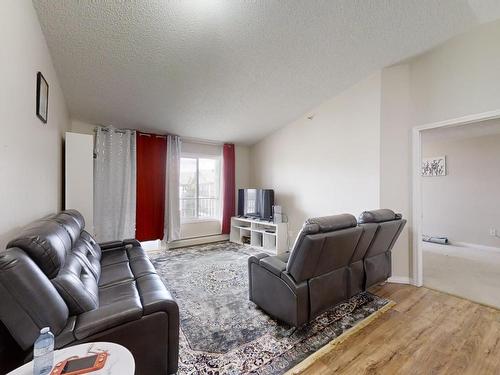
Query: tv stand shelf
262	234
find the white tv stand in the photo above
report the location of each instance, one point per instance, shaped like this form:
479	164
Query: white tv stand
265	235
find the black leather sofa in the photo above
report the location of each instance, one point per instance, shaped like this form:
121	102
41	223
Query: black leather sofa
55	274
333	259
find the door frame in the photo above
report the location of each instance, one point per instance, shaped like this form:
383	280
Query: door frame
417	260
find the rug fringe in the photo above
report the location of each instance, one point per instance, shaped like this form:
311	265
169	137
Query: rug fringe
302	366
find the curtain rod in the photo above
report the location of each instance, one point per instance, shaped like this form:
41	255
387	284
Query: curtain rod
201	141
186	139
106	129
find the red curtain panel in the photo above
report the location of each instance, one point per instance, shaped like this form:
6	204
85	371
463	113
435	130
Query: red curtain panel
228	187
151	170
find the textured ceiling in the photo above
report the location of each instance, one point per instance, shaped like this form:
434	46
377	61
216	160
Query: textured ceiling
232	70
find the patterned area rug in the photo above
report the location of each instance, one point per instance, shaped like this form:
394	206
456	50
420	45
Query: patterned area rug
222	332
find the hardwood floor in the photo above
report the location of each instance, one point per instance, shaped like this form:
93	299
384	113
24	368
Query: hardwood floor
427	332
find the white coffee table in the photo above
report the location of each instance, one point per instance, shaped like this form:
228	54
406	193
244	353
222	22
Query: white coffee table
119	362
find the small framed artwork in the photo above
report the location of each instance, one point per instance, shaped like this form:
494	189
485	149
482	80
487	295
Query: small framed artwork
434	167
42	98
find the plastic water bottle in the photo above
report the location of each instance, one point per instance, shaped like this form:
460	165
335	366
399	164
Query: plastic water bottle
43	352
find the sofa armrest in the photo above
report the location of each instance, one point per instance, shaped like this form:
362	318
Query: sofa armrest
156	298
106	317
132	241
273	264
254	259
111	245
257	258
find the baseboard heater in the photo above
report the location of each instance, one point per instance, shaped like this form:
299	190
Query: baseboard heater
438	240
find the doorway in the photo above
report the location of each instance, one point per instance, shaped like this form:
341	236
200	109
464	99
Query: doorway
456	174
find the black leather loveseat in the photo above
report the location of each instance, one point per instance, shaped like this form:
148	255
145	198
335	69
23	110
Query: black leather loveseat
333	259
55	274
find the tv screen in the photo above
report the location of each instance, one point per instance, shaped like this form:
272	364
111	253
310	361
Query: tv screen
256	203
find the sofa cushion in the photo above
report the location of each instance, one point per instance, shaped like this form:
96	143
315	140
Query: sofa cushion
114	256
115	274
377	216
334	222
70	224
316	225
90	263
76	286
304	231
141	266
76	215
386	234
47	243
118	304
94	247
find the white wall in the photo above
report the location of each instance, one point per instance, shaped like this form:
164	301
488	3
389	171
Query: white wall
82	127
30	151
464	204
327	165
455	79
242	166
459	78
79	176
395	159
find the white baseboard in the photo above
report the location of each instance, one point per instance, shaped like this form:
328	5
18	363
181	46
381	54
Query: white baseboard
198	241
399	280
476	246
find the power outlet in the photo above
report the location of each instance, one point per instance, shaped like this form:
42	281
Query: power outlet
493	232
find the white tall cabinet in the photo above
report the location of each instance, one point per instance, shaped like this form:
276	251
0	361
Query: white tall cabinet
79	176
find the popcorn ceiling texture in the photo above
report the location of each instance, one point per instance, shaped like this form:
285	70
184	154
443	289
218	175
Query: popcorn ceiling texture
232	70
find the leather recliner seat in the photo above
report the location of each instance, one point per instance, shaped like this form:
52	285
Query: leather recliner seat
55	274
386	227
333	259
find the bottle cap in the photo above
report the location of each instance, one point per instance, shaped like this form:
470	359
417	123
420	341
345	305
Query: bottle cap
45	330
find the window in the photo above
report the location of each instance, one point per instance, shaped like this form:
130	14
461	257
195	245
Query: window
200	188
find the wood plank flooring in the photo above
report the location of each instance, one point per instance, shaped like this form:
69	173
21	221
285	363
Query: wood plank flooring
427	332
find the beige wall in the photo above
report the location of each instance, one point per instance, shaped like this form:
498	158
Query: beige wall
82	127
79	176
30	151
455	79
459	78
327	165
242	166
395	159
464	205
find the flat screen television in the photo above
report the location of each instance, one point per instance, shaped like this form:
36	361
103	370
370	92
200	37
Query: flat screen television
256	203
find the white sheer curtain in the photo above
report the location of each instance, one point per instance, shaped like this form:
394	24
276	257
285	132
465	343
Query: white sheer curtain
172	209
114	184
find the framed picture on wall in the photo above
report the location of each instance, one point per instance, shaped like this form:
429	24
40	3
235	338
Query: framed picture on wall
42	98
434	166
